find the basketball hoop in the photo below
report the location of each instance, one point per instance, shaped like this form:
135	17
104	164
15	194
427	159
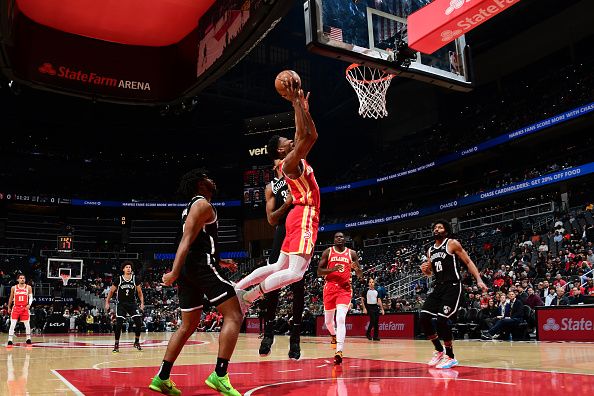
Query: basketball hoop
371	85
65	278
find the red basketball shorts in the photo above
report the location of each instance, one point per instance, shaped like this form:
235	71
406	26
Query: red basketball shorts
19	313
335	294
301	230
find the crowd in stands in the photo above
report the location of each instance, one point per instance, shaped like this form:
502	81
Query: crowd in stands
547	265
480	118
492	176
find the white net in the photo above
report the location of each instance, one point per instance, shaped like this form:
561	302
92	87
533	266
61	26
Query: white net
65	279
371	85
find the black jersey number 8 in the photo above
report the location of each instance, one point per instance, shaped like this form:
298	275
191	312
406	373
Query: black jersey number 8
438	266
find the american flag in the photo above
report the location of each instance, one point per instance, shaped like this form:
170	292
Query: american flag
334	33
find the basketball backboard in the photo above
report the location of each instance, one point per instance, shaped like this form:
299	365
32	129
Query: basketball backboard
56	267
369	32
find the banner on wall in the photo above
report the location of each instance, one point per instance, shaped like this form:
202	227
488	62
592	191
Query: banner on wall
550	178
400	325
567	323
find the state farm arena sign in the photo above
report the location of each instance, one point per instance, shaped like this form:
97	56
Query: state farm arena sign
568	323
91	78
390	325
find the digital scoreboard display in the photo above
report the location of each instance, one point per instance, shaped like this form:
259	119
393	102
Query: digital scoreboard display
65	244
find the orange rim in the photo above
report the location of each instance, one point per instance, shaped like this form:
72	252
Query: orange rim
378	80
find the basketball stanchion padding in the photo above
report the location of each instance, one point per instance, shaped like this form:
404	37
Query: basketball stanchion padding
371	85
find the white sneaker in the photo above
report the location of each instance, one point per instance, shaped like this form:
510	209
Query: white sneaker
243	304
437	357
446	363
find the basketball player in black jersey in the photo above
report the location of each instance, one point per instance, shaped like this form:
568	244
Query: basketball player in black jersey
197	269
278	203
127	288
443	261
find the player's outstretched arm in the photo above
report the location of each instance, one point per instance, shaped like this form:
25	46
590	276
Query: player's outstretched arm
306	133
455	247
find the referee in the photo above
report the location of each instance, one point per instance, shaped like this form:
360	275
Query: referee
372	305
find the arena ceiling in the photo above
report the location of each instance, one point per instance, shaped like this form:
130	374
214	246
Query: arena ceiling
130	22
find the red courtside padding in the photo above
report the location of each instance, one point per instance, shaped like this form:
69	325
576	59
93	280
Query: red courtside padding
443	21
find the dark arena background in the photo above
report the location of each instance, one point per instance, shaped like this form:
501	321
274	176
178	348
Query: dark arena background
105	105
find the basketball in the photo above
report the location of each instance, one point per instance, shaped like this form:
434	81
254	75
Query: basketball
284	77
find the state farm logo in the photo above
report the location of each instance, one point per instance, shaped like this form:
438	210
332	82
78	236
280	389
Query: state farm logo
90	78
471	19
455	5
568	324
551	325
47	68
448	35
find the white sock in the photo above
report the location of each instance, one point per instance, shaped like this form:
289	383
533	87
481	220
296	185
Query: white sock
341	313
297	267
259	274
329	320
27	328
13	323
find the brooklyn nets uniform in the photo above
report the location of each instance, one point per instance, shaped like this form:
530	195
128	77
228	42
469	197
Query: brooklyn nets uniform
200	276
126	296
445	298
280	189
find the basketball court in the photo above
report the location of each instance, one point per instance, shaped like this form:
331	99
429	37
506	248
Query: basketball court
85	365
374	36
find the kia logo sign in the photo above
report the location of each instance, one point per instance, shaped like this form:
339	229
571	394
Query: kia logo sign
551	325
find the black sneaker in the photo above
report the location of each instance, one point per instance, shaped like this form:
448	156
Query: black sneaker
137	346
368	337
9	343
376	339
116	348
294	351
338	357
28	342
333	341
266	344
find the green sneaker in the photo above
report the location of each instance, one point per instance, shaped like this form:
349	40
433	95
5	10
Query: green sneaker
166	387
221	384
